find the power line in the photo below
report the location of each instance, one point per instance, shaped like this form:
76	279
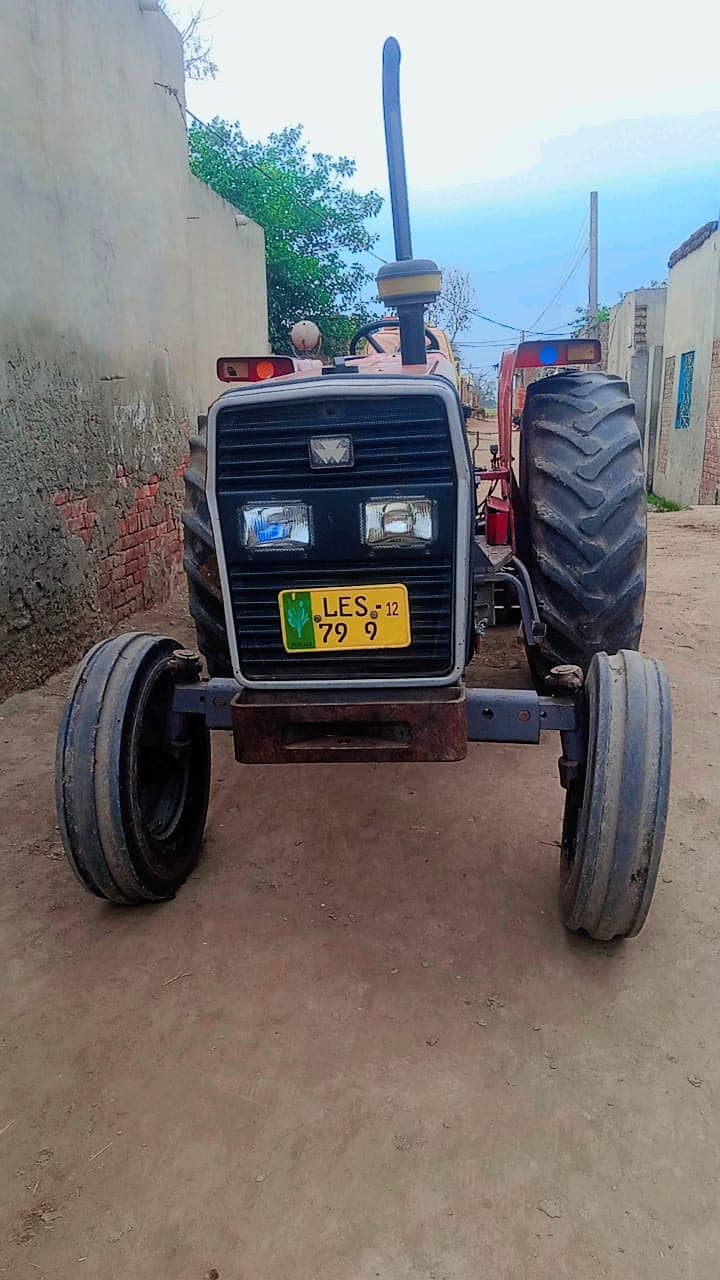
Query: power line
577	245
500	342
566	281
500	323
519	328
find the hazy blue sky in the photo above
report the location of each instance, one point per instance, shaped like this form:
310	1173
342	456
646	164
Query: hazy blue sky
511	116
483	84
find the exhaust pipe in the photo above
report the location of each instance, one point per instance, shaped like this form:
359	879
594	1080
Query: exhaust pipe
395	149
408	284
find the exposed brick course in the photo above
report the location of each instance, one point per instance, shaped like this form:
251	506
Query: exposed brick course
667	409
710	478
640	334
135	562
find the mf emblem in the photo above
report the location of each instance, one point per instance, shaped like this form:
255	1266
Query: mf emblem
331	451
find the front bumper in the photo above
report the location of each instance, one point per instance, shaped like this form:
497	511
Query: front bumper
409	725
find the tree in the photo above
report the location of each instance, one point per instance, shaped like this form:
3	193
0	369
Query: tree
486	389
314	224
196	49
454	308
583	319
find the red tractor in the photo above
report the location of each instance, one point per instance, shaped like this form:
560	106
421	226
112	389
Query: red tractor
341	572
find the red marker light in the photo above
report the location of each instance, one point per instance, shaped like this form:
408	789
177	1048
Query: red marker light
253	368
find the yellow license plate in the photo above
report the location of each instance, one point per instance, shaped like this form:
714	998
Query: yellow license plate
345	618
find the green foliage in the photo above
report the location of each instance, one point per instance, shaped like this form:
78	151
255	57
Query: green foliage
656	503
583	319
314	225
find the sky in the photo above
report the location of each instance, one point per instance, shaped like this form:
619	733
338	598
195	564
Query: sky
500	103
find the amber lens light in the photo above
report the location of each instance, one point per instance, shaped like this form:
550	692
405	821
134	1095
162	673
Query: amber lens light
264	369
583	352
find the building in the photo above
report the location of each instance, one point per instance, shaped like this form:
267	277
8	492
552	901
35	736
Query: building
687	467
123	279
635	353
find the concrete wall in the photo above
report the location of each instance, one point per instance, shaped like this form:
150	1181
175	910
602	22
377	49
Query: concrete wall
636	323
620	334
229	313
692	323
634	353
122	280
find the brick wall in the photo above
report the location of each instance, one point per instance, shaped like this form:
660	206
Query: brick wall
667	410
133	538
640	331
710	478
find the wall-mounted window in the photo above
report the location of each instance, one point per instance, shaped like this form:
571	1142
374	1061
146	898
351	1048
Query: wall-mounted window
684	398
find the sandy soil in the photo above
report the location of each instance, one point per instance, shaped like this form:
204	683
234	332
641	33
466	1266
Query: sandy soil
359	1044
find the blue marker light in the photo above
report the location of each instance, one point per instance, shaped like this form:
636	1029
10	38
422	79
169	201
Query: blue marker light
548	354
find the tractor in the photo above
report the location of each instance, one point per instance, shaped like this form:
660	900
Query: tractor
344	560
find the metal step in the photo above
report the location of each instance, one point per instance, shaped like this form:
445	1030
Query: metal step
499	556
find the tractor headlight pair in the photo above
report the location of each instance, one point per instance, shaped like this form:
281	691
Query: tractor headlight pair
391	522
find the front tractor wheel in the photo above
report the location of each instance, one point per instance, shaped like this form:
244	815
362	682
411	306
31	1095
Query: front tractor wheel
132	776
582	528
614	821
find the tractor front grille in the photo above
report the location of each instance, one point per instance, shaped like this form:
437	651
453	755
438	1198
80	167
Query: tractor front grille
255	608
401	447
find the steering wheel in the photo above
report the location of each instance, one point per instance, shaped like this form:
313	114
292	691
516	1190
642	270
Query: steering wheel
369	329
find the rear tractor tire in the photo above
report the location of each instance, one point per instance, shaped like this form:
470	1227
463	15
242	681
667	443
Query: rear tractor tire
200	562
132	777
614	820
582	530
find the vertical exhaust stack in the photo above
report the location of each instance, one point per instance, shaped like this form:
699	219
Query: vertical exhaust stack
410	284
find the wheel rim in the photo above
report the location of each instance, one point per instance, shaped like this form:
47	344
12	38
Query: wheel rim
161	766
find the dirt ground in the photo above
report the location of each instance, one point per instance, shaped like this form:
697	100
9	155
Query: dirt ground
359	1043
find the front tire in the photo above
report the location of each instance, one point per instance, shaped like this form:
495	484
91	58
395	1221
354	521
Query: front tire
614	820
583	529
132	778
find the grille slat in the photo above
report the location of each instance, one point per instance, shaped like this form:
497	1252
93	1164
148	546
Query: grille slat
401	441
389	444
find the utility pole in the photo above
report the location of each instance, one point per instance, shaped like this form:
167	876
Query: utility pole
593	272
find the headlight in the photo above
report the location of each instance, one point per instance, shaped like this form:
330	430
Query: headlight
408	522
278	527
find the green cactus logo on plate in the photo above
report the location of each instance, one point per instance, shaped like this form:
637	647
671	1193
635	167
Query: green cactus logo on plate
299	629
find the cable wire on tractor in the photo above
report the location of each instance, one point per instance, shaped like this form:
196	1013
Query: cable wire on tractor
342	570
